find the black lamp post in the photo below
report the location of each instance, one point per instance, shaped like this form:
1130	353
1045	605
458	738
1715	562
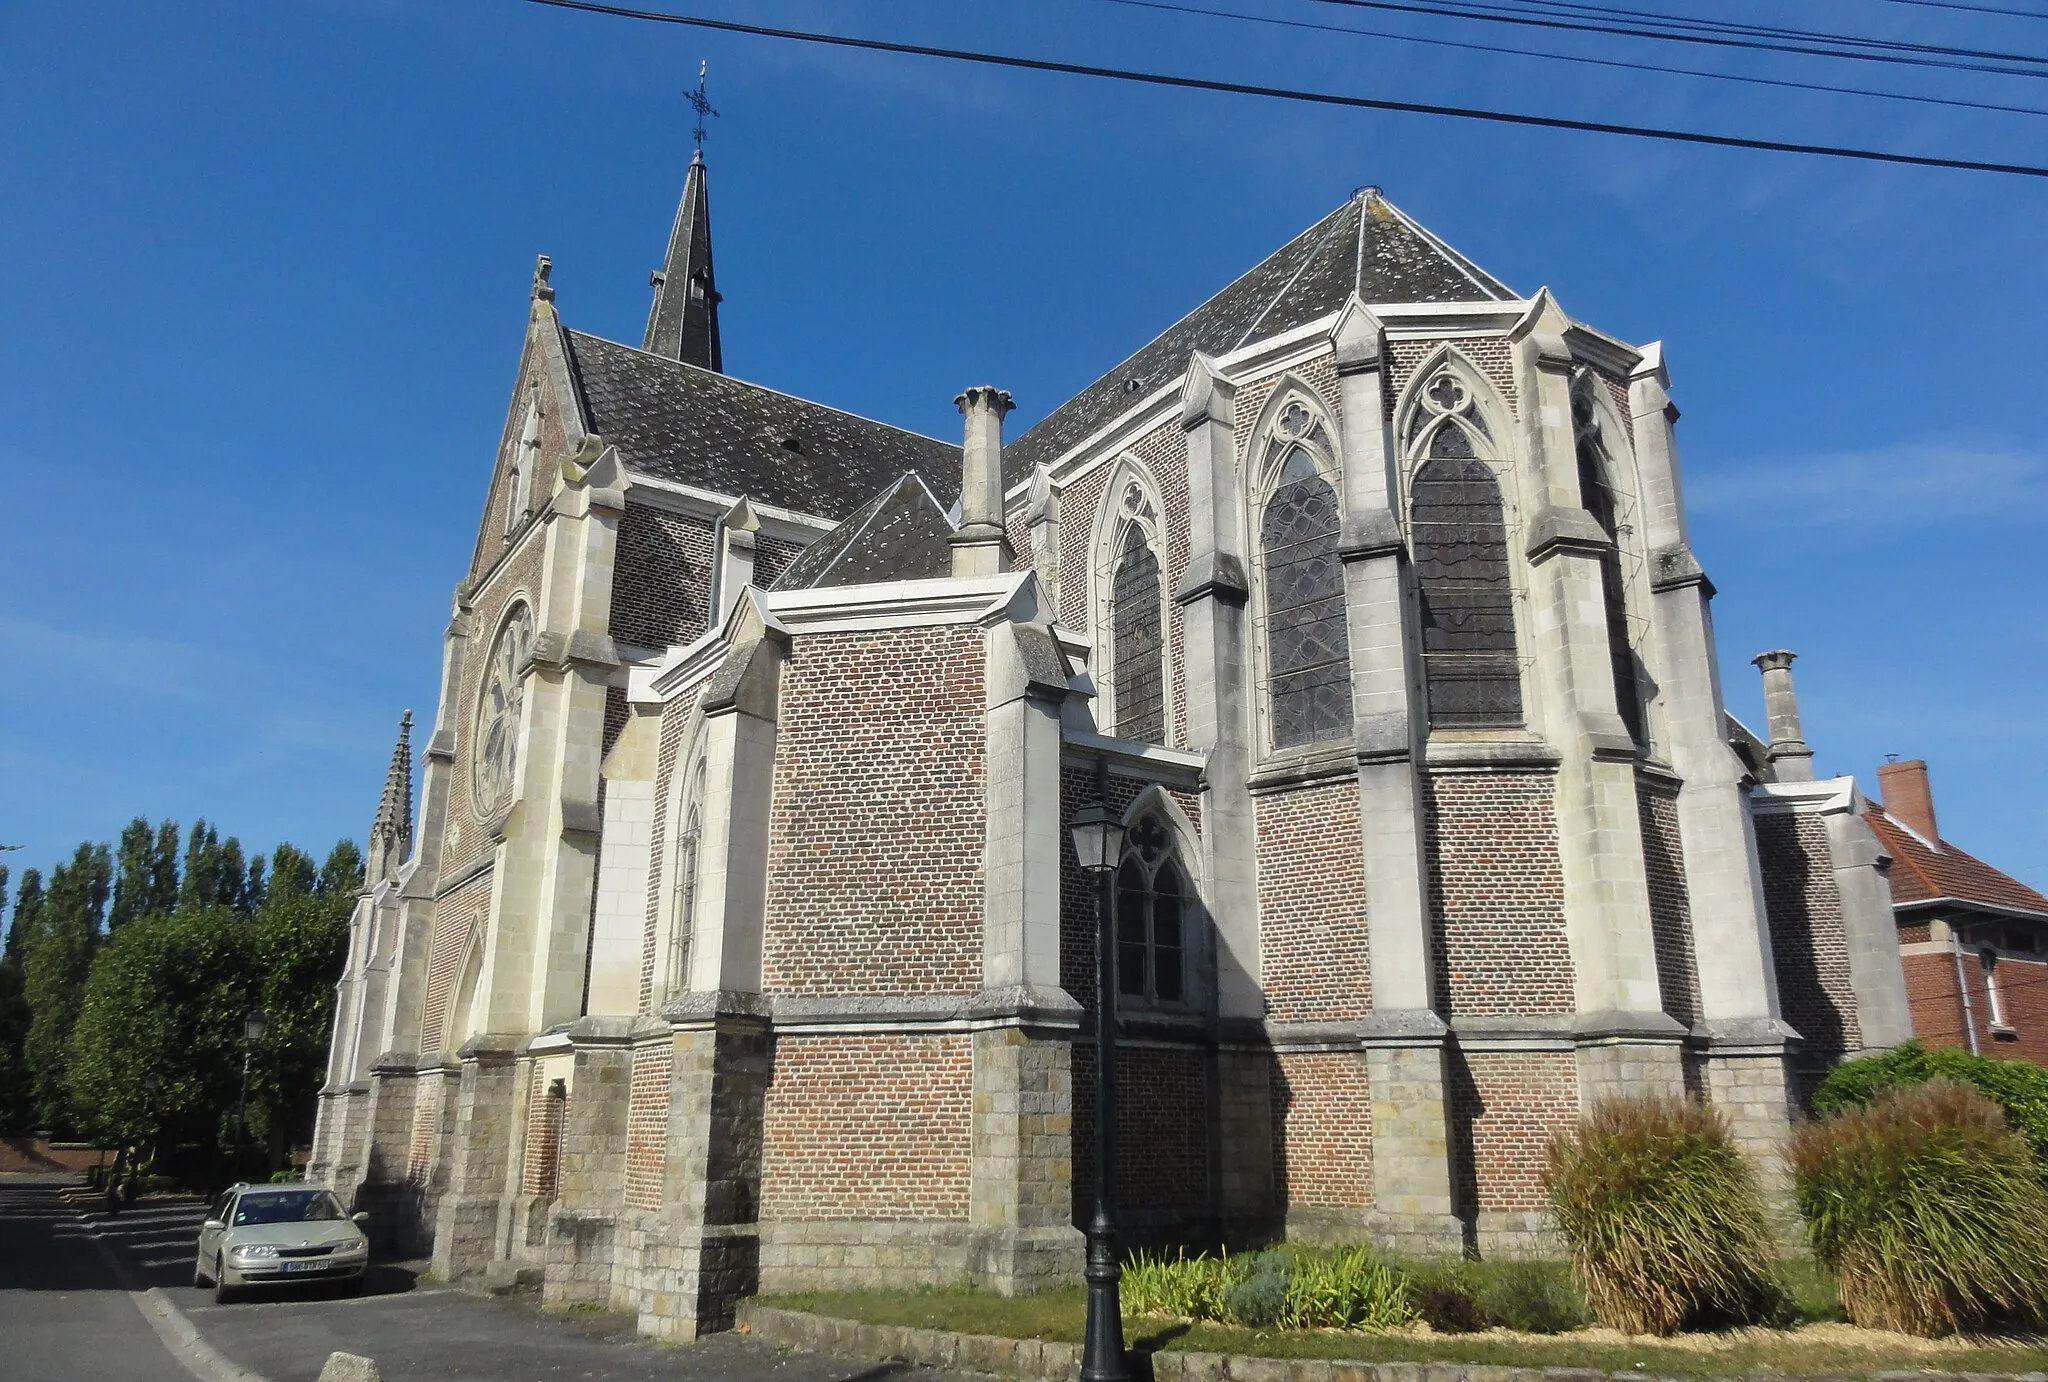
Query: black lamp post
1098	844
254	1025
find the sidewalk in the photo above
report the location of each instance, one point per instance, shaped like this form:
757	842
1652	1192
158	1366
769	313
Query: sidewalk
419	1331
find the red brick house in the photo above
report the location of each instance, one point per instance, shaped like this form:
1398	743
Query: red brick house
1973	940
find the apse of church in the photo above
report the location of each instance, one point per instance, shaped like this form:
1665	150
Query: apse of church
737	943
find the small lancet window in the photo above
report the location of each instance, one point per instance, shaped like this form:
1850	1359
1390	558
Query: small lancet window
1598	497
1471	671
1137	641
1308	652
684	924
1152	906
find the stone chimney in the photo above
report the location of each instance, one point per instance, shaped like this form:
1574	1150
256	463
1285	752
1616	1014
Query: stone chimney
1907	797
1790	759
978	547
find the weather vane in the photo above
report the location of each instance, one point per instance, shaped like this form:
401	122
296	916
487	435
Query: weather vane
700	103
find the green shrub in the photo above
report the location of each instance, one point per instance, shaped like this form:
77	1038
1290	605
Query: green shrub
2018	1087
1929	1209
1188	1287
1259	1295
1445	1296
1662	1216
1534	1297
1347	1288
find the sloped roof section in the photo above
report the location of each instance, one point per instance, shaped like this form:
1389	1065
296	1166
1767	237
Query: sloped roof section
1367	246
1921	874
678	422
899	535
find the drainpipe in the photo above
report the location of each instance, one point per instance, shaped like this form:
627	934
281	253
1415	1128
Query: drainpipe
1955	941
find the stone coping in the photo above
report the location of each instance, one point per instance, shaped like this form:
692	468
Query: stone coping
1041	1360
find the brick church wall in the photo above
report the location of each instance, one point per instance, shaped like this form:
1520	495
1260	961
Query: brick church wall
546	1114
661	578
1161	1128
1492	355
1507	1105
882	813
772	557
1670	906
647	1125
868	1127
1322	1130
1497	889
1313	948
454	916
1808	944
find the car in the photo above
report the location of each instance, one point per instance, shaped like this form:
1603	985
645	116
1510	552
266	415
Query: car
273	1234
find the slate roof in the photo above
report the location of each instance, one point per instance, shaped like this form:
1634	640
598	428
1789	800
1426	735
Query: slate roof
678	422
899	535
1921	874
1367	245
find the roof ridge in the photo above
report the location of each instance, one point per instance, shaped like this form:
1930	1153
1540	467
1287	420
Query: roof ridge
1911	864
762	388
1458	259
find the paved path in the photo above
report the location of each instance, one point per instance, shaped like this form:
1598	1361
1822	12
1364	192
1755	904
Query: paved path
417	1331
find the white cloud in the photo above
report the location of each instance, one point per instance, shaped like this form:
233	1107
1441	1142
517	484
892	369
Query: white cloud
1910	485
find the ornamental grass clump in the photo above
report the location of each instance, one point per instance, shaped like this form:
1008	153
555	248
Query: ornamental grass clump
1930	1211
1189	1288
1663	1219
1347	1288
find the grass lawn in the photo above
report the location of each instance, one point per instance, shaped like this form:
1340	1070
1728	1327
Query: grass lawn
1822	1346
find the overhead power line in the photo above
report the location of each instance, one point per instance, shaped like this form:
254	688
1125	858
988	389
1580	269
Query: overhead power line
1499	16
1278	93
1973	9
1468	46
1657	18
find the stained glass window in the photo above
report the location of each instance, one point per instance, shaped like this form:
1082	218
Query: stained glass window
1472	675
1598	497
683	926
1152	901
1307	651
1138	644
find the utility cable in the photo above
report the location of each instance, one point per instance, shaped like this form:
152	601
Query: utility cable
1707	40
1278	93
1468	46
1973	9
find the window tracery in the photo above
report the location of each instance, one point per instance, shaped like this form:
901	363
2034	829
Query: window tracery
1308	653
1457	520
1137	629
1154	907
495	741
683	916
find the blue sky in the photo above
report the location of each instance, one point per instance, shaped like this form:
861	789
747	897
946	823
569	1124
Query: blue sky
265	273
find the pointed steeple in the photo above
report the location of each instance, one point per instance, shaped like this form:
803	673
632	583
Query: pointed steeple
683	322
391	834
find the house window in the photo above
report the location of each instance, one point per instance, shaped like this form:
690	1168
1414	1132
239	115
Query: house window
1137	641
1152	907
1308	653
1596	493
1471	671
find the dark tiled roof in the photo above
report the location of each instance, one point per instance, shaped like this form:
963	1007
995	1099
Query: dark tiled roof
1366	245
1920	874
899	535
678	422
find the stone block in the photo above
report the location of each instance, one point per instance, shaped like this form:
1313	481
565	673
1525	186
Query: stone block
349	1367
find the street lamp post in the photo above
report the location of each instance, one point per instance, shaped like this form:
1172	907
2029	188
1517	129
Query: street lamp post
254	1025
1098	844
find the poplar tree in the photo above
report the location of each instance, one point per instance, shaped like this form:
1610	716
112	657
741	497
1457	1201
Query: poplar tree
13	1031
146	872
200	884
342	874
56	961
292	873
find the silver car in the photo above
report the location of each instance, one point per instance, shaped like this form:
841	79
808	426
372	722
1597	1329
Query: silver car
271	1234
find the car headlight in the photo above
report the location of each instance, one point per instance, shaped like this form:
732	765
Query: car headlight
254	1250
360	1245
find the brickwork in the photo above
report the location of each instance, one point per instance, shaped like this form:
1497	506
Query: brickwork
1078	504
1498	890
1808	944
454	917
555	443
1318	373
1938	1012
1313	946
661	579
874	856
1505	1107
540	1172
1322	1130
616	712
1162	1137
772	557
1670	906
647	1126
1078	895
1491	355
868	1127
426	1125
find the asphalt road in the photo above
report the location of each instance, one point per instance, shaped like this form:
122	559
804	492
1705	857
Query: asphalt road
65	1315
416	1331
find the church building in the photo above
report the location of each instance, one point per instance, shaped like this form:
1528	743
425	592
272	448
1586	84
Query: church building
738	942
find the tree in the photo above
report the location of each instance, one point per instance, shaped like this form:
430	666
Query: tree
292	873
14	1017
342	874
146	872
27	906
56	962
300	944
200	884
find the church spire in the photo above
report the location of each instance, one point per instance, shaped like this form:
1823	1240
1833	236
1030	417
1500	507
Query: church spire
683	322
391	834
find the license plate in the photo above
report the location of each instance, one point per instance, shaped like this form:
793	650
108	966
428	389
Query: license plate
318	1266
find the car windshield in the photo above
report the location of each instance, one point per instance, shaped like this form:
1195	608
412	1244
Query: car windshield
287	1207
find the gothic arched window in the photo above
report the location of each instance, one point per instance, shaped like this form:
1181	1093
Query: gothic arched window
1138	641
1597	494
683	925
1471	672
1308	653
1153	907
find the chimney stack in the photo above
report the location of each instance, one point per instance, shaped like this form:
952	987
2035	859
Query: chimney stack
1907	797
978	547
1790	759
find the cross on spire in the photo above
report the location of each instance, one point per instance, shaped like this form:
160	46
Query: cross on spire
702	105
